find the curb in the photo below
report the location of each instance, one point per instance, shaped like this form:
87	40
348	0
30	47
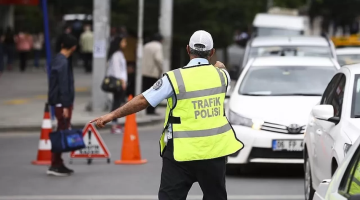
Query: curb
75	126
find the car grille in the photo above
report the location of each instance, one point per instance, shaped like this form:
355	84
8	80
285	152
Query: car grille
269	153
278	128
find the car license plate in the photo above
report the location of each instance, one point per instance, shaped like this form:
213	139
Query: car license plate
287	145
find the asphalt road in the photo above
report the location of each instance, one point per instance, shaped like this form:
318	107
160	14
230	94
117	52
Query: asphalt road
19	179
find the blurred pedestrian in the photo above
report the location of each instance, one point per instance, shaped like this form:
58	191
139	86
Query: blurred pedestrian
194	145
117	68
1	51
24	43
9	47
130	56
152	65
59	41
37	47
86	44
61	94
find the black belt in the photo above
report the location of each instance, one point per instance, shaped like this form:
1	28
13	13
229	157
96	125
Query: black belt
174	120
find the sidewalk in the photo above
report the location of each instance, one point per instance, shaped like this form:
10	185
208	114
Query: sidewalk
23	97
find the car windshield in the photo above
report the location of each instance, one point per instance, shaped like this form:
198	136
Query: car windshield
277	32
348	59
304	51
356	97
286	81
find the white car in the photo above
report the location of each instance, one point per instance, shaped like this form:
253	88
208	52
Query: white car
269	106
345	184
333	126
349	55
302	46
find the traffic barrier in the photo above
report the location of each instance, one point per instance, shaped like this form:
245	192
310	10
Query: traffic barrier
44	149
130	153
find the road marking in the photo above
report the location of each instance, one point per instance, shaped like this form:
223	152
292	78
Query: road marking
39	97
147	197
16	101
81	89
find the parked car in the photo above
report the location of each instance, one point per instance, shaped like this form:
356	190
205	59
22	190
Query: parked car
348	55
345	184
302	46
269	106
333	126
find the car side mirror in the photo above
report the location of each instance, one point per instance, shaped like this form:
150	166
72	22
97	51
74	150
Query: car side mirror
354	197
326	113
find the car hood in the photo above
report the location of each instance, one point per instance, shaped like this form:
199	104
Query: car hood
283	110
352	129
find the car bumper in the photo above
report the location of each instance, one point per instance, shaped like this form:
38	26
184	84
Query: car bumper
258	147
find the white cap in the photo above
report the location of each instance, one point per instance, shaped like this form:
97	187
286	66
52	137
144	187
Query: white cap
201	37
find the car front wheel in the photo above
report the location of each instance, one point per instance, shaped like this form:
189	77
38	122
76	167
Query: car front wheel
309	190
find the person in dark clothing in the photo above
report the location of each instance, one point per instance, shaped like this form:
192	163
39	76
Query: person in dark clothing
9	47
62	95
60	39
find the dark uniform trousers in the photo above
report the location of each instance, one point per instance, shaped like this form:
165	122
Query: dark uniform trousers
178	177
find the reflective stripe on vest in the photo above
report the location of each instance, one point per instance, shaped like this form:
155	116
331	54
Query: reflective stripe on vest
202	133
200	128
187	95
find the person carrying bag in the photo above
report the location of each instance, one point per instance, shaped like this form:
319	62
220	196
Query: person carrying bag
115	81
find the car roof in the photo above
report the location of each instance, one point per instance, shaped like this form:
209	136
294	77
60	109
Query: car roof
293	61
289	41
354	68
348	50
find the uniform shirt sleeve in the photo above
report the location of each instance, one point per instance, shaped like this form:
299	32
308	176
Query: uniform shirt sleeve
161	90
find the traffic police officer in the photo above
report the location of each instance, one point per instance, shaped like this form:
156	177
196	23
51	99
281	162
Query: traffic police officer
197	136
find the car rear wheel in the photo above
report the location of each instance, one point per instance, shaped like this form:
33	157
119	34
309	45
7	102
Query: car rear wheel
309	190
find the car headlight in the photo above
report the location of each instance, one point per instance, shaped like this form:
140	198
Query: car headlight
346	148
237	119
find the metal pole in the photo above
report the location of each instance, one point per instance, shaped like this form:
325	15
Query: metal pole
101	21
139	52
47	47
165	27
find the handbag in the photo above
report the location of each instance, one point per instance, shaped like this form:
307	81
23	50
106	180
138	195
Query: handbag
111	84
66	140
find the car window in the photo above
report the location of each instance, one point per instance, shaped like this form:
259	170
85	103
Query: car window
300	51
338	97
347	59
286	81
277	32
350	183
330	88
355	107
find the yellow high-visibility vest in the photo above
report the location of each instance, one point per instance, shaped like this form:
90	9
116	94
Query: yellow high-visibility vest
200	129
355	182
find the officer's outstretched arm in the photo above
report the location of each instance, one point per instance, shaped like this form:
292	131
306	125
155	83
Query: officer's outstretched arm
135	105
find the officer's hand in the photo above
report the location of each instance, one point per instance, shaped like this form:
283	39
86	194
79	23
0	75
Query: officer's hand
220	65
103	120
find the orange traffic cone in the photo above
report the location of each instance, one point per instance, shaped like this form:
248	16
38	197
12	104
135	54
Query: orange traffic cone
44	151
130	153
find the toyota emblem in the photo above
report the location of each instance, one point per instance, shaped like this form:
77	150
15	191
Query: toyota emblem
294	128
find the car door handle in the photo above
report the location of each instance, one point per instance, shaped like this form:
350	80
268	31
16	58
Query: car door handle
319	131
